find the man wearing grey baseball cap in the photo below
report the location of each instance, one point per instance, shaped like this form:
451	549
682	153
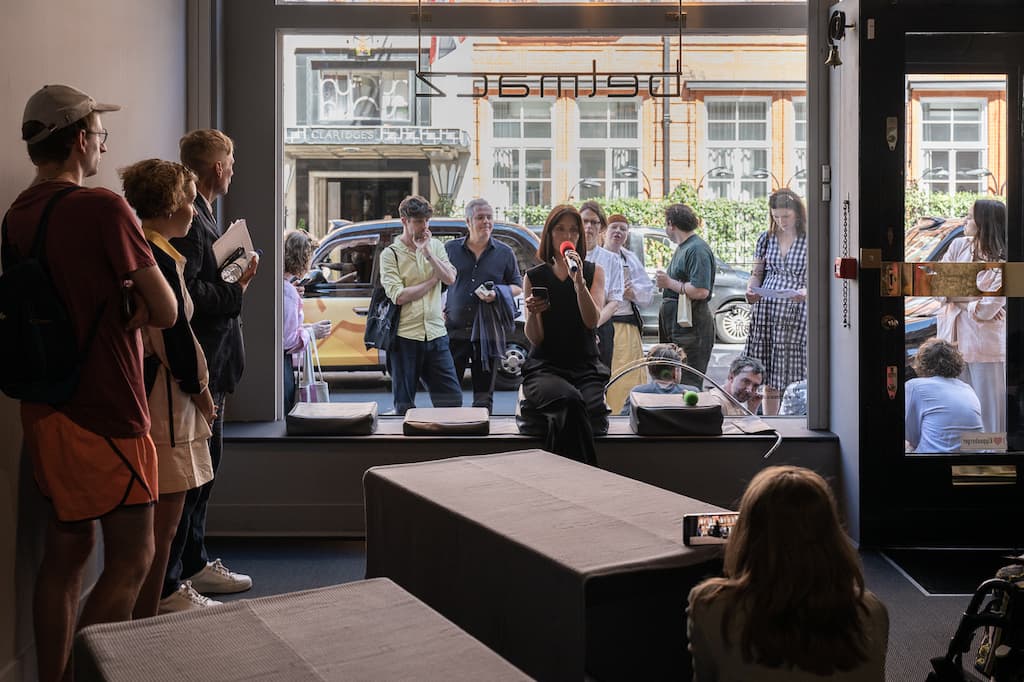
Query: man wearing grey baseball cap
92	455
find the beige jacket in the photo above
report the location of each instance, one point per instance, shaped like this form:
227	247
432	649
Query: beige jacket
970	322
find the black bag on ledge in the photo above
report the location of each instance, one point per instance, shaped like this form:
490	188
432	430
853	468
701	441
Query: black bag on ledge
656	414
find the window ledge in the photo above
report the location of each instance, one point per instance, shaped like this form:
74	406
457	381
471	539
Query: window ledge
505	428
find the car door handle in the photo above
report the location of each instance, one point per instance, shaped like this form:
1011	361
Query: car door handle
363	310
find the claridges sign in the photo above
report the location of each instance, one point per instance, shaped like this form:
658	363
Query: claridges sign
404	135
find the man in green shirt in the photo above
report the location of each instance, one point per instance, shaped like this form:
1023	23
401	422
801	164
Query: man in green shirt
412	270
692	274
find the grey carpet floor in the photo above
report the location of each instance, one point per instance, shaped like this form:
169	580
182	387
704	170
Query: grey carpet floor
920	626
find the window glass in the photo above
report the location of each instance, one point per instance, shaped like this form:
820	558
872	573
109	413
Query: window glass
610	153
953	145
739	144
956	211
360	134
798	180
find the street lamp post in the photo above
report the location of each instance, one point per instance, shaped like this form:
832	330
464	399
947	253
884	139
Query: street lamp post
632	172
588	183
799	175
715	173
764	174
986	173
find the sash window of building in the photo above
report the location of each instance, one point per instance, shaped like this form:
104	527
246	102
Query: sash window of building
521	170
609	156
739	143
953	143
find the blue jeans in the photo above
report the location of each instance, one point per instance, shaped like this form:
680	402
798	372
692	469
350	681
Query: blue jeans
409	361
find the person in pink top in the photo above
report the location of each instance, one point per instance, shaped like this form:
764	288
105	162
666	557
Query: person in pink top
977	325
298	251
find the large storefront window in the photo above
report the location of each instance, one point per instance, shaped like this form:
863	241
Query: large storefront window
528	122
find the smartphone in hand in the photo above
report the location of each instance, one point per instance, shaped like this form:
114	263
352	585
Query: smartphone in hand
540	293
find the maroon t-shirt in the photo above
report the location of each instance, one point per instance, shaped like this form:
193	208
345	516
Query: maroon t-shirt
92	243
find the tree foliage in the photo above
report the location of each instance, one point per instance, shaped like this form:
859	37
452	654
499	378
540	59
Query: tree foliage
730	227
921	204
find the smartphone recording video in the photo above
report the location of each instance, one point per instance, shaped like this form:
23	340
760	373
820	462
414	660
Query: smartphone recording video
708	529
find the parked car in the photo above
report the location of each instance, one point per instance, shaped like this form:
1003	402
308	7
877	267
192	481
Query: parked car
347	261
926	242
728	299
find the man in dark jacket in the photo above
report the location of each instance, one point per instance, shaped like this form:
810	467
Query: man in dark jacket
218	303
476	334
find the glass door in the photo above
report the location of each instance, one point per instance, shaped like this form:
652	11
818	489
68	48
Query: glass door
951	386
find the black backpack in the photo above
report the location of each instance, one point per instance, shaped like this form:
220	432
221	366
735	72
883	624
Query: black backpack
40	360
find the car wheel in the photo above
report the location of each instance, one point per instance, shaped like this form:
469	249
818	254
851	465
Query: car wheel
732	322
510	373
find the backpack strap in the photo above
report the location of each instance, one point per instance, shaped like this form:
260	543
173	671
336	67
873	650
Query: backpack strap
38	250
6	252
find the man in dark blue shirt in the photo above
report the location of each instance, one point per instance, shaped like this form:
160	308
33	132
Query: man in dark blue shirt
481	308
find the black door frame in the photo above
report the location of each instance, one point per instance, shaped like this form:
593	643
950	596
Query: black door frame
910	501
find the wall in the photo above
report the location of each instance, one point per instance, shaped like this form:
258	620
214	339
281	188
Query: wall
131	52
844	365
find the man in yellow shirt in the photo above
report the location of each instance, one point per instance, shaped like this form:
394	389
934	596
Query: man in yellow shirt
412	270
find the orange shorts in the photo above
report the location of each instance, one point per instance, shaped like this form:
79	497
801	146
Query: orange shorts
86	475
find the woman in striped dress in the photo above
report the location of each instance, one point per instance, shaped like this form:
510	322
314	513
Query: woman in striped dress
778	291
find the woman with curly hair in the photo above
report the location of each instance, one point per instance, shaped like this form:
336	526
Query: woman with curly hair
298	252
940	408
792	605
177	379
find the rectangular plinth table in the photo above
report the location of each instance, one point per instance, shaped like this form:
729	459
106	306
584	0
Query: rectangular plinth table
367	630
564	569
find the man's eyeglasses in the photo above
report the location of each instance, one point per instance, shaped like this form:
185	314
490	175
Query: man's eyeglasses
102	134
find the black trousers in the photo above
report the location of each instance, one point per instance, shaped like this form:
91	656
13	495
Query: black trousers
697	341
606	342
566	405
466	353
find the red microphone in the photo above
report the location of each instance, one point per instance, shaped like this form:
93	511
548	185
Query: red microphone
567	247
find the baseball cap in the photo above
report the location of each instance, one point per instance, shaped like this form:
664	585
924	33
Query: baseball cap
617	218
58	106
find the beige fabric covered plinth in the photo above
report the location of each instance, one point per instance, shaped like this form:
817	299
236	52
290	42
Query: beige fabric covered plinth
367	630
560	567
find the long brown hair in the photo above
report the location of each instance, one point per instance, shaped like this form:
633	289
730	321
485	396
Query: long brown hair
990	242
547	250
787	198
792	577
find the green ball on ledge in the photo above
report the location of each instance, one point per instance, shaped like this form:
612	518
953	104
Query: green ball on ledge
690	398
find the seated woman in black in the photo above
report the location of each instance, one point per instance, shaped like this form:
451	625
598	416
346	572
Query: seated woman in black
563	379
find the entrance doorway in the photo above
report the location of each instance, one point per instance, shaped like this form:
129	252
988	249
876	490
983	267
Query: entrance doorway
942	445
358	199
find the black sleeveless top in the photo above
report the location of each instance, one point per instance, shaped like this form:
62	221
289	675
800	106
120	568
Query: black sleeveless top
567	342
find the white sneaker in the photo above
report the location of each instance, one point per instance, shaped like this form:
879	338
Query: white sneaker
185	598
217	579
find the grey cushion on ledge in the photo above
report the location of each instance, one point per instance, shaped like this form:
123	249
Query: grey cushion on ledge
447	421
332	419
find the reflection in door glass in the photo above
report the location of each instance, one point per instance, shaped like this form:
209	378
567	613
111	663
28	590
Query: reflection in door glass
956	213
